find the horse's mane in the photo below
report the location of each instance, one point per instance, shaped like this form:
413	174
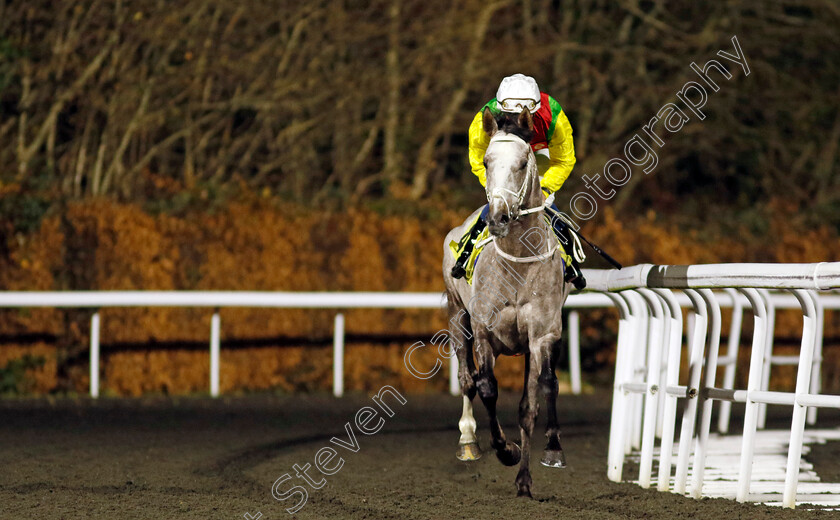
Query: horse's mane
509	123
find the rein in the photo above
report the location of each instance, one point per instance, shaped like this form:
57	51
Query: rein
527	259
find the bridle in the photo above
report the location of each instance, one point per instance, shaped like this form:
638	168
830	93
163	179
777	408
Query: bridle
498	192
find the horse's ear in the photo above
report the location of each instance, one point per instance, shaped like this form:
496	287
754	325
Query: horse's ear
526	120
489	122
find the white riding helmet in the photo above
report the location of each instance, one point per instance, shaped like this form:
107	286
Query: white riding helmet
517	92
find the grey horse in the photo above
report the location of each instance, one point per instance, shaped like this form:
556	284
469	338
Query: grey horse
513	305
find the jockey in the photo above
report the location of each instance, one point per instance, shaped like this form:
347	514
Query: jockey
553	147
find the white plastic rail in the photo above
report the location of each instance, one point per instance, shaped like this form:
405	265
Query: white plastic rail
753	282
280	300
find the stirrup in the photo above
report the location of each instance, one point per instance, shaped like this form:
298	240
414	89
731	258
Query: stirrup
574	276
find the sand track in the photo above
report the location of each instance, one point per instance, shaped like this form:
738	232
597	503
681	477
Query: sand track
197	458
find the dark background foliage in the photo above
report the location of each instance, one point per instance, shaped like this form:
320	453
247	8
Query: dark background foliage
341	100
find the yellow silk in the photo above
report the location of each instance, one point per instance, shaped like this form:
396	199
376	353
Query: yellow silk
561	149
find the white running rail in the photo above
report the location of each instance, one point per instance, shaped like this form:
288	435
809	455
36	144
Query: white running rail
650	330
280	300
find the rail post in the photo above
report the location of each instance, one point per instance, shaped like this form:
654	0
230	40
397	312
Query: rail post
618	416
338	355
574	351
759	350
696	350
731	357
816	364
810	320
660	314
669	399
706	404
94	355
768	355
215	333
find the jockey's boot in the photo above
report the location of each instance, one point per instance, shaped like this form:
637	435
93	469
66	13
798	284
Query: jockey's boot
573	274
459	270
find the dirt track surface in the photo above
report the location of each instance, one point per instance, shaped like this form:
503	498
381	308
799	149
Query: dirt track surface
204	459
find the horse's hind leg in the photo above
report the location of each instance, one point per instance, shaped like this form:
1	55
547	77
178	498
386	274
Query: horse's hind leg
488	389
528	409
553	456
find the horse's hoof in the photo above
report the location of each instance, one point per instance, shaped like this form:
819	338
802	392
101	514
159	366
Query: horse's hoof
553	459
524	493
510	455
523	483
468	452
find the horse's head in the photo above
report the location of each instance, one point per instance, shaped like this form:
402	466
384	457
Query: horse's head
511	169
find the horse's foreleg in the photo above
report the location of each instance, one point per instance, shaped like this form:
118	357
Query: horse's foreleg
468	443
468	448
553	456
463	344
488	389
528	409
